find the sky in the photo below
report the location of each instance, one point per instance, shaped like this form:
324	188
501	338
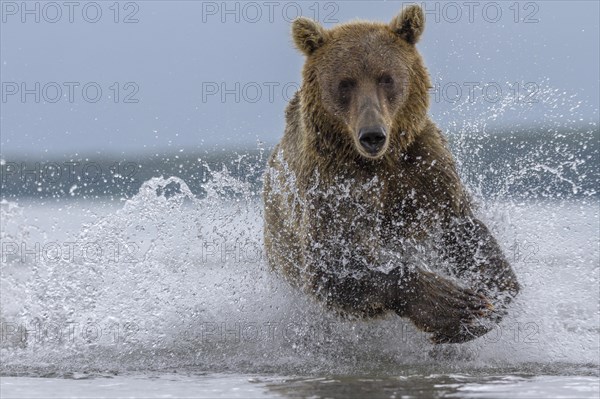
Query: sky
135	77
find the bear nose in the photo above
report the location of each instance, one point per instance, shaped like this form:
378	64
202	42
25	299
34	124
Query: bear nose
372	138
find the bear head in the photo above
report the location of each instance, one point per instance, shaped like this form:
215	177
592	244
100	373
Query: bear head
365	87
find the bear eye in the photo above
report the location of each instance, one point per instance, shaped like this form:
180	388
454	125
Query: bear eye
345	88
385	80
346	84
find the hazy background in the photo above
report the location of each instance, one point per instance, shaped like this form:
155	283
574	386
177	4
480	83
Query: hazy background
173	55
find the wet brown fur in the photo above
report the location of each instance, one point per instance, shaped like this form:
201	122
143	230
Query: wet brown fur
417	189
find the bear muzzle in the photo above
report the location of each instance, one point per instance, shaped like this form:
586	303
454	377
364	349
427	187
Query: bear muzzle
372	139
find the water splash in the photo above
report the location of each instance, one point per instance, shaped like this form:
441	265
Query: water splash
177	280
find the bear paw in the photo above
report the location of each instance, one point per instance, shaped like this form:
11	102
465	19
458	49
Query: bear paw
452	313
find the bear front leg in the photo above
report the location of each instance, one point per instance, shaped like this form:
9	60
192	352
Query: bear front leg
366	294
435	304
477	259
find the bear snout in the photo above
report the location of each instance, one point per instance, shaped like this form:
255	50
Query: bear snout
372	138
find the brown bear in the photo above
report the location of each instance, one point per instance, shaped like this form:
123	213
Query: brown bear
362	189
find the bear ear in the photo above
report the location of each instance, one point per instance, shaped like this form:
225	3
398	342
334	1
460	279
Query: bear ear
409	24
308	35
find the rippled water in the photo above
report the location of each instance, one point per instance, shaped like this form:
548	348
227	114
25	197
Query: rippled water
182	385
